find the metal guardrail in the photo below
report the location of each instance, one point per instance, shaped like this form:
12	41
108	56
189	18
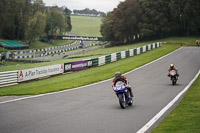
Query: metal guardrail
8	78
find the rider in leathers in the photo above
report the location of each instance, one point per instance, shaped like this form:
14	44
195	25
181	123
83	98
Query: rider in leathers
172	67
119	77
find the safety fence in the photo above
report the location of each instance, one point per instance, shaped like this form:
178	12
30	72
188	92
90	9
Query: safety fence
14	77
43	52
8	78
40	52
123	54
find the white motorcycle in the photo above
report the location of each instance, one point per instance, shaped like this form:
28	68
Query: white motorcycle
173	76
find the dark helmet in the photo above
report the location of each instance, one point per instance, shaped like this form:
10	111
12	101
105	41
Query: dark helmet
118	75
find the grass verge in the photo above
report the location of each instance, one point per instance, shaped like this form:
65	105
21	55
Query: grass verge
185	118
85	77
186	41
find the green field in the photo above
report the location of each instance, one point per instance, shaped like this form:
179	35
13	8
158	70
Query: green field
86	26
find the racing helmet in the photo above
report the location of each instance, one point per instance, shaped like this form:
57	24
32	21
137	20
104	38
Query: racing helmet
172	66
118	75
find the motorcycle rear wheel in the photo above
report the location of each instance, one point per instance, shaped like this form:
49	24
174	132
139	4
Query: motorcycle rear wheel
173	81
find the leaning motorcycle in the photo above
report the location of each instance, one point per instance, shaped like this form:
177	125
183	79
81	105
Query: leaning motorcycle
123	94
173	76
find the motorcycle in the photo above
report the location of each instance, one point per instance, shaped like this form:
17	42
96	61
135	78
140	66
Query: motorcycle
173	76
123	94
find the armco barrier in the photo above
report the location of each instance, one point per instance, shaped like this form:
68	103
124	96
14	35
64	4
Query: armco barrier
102	60
108	59
95	62
113	57
40	52
44	52
8	78
118	56
123	54
127	53
131	52
135	51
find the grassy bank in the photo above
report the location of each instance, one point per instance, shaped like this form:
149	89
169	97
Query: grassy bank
85	77
185	118
186	41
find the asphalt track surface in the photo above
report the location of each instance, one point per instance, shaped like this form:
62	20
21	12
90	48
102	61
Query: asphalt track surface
95	108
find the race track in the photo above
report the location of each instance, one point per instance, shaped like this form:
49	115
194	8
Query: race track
95	108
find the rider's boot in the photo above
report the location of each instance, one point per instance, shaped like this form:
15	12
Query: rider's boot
131	93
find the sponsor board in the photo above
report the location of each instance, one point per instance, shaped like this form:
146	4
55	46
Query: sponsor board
34	73
84	38
78	65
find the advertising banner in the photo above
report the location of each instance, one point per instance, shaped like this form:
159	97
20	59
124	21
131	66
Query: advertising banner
34	73
84	38
78	65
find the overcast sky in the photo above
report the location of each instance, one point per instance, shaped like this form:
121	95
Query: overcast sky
99	5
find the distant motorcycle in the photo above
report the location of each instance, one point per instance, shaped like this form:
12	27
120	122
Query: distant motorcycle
123	94
173	76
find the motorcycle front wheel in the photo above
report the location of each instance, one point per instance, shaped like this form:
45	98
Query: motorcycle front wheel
122	101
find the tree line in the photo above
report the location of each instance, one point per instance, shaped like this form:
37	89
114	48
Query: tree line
89	12
30	19
134	20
